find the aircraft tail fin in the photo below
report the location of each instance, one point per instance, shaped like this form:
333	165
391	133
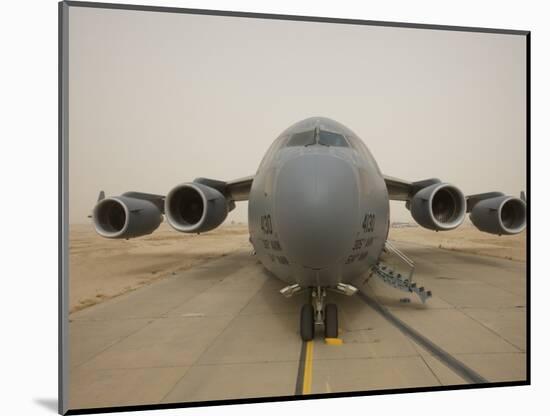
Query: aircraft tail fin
101	196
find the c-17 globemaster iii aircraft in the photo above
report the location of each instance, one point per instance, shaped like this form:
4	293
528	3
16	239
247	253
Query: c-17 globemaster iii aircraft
318	214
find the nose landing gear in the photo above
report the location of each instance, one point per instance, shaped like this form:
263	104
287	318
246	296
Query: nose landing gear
317	313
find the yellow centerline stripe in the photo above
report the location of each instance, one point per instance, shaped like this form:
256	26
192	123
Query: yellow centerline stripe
308	368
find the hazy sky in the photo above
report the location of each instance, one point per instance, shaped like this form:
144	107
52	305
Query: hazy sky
157	99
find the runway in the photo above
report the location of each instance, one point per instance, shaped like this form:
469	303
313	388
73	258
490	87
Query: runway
221	330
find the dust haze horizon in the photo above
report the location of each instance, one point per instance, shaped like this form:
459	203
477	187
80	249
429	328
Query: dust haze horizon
158	99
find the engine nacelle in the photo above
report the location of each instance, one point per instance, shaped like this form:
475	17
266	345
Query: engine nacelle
195	208
500	215
439	207
125	217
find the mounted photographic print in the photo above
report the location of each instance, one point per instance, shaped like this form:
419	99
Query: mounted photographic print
265	207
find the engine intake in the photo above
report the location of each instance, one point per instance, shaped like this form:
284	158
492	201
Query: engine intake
500	215
195	208
439	207
125	217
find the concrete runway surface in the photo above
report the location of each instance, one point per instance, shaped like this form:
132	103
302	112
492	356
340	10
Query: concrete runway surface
221	330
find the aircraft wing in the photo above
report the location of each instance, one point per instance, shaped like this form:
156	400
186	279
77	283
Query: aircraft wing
402	190
398	189
158	200
442	206
235	190
191	207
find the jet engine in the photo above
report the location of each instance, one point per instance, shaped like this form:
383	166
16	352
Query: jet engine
195	208
500	215
439	207
125	217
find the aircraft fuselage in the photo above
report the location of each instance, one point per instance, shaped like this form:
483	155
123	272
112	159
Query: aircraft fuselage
318	209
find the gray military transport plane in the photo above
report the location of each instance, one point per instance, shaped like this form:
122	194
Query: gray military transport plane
318	215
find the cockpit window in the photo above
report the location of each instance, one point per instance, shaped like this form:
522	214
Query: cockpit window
304	138
319	137
327	138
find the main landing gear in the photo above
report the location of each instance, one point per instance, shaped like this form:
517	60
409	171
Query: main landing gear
317	313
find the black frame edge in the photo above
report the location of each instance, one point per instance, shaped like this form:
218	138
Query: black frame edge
528	201
60	378
319	19
293	398
63	379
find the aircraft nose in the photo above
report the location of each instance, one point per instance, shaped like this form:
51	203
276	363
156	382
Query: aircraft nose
316	209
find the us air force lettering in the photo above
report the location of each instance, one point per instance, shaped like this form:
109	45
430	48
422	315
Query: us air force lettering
318	215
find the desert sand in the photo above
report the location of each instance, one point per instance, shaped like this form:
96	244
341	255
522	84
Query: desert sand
467	239
102	268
